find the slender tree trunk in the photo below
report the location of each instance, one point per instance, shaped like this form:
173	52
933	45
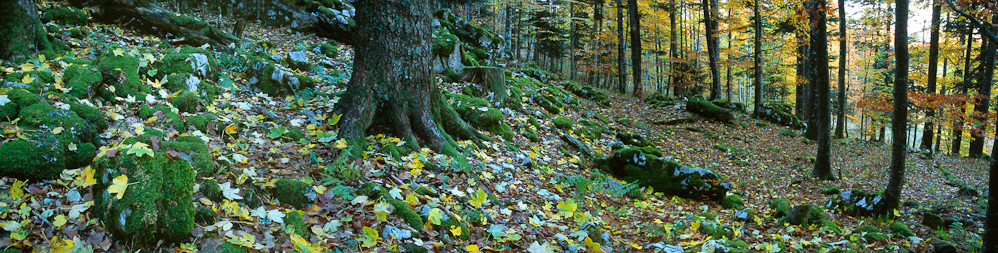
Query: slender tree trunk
840	125
892	194
958	124
757	63
814	59
710	28
942	91
635	25
933	64
984	103
728	79
673	45
822	165
621	71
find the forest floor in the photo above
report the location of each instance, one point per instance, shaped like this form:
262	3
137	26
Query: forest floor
545	208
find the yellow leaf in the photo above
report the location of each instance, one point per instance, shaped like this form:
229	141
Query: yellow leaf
57	130
341	144
140	130
118	52
455	230
231	129
319	189
86	178
411	199
27	79
154	84
335	119
472	248
28	67
139	149
595	247
477	198
58	221
153	119
896	213
695	225
58	245
118	186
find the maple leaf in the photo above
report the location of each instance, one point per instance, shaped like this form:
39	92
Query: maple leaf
246	240
86	178
536	247
455	230
472	248
139	149
477	198
341	144
27	79
119	185
381	211
334	119
369	238
58	221
4	100
567	208
229	192
435	216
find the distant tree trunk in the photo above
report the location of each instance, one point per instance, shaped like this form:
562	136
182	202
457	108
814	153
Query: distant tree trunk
843	56
822	165
635	25
709	9
814	87
728	79
621	66
19	30
673	46
574	41
393	87
958	124
757	62
892	194
933	64
803	89
984	103
942	91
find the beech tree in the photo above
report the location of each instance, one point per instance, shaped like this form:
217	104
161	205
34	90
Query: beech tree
933	63
819	52
899	124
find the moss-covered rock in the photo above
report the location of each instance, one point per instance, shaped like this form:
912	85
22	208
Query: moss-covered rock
295	193
563	123
780	207
205	215
857	203
325	49
781	114
660	99
82	79
275	80
870	233
298	60
633	139
297	224
55	139
587	92
230	248
125	69
634	165
900	229
933	221
211	190
402	210
731	201
550	103
724	103
743	215
156	205
165	116
709	110
186	101
201	122
65	16
804	215
476	111
831	190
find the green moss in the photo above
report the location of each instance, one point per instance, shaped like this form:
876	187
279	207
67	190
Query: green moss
900	229
804	215
325	49
831	189
297	224
450	76
274	81
471	110
157	206
732	201
402	210
563	123
167	117
211	190
294	193
781	114
205	215
451	223
126	68
24	159
781	207
230	248
186	101
444	43
294	134
82	79
872	233
532	135
65	16
717	231
549	103
201	122
709	110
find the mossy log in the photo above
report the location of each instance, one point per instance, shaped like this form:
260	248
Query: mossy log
155	19
709	110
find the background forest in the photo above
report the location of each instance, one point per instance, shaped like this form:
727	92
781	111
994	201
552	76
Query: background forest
497	126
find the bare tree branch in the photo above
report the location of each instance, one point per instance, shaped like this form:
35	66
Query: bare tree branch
984	29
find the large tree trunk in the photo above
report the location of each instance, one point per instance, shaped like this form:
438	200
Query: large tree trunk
892	194
709	9
933	64
822	165
393	85
635	25
621	69
813	119
673	46
757	60
19	29
840	125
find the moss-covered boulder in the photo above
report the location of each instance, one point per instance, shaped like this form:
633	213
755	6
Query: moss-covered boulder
82	79
731	201
193	150
870	233
54	138
781	114
402	210
900	229
587	92
633	139
933	221
733	106
295	193
298	60
275	80
563	123
325	49
165	116
186	101
857	203
157	204
780	207
831	190
804	215
659	99
201	122
211	190
125	70
476	111
709	110
65	16
667	176
297	224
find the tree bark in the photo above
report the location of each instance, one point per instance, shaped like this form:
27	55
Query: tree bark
393	84
621	66
814	62
984	101
18	32
709	9
958	124
822	165
635	25
843	60
757	62
673	47
933	64
892	194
